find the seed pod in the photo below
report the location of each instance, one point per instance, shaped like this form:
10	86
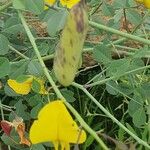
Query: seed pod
69	51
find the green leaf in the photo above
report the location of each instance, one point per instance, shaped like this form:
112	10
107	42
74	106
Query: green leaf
88	142
102	54
139	117
34	100
133	17
135	104
4	67
36	86
21	111
8	141
120	3
17	69
145	90
19	4
44	47
56	22
36	7
12	21
125	88
14	29
22	78
135	64
35	110
121	132
3	45
111	86
9	91
47	14
136	109
68	95
35	68
118	88
148	110
37	147
144	52
107	9
118	15
15	33
13	141
118	67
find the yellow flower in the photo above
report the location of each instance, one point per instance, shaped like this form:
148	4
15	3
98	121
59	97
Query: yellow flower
50	2
21	88
69	3
55	124
25	87
146	3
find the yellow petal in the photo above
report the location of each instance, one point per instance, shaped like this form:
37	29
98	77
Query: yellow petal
68	125
45	128
56	145
75	135
65	146
21	88
69	3
55	124
49	2
146	3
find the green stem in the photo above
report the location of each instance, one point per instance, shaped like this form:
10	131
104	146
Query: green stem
127	48
109	45
1	108
114	77
129	36
111	116
48	57
17	52
57	91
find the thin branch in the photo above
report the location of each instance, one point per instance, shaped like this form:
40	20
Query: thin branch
123	34
111	116
114	77
57	91
17	52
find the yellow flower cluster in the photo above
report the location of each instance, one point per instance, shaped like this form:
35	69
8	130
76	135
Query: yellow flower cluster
25	87
55	124
146	3
66	3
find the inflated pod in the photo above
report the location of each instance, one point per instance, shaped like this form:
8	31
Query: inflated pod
68	54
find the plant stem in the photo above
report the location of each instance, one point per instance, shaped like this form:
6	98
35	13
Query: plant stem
57	91
129	36
48	57
111	116
17	52
114	77
1	108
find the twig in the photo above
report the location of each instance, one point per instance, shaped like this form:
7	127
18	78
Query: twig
111	116
57	91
